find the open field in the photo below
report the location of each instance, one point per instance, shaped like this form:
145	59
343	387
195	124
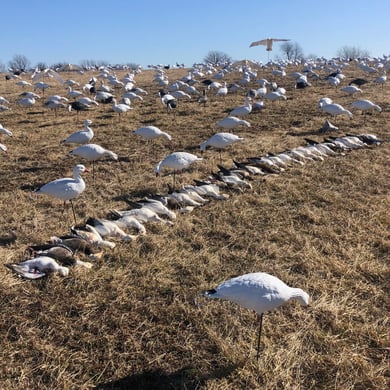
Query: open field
137	319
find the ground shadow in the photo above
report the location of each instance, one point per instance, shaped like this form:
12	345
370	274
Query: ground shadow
185	378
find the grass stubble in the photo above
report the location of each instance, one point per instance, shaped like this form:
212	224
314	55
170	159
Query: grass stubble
137	318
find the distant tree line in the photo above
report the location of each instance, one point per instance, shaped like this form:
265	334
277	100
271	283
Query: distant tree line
291	51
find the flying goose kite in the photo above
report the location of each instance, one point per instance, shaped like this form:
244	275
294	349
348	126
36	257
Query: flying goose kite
267	42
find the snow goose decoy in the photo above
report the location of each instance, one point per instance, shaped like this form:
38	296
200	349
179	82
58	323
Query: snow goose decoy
244	110
365	105
66	188
220	141
177	161
335	109
351	90
37	267
260	292
151	132
231	122
93	152
120	108
381	80
81	137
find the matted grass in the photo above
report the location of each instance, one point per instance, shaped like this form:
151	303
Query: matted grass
137	319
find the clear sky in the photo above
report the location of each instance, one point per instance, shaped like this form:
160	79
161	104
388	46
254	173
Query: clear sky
169	31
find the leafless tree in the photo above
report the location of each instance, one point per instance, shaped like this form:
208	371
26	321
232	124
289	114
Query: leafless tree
291	50
19	63
352	52
217	58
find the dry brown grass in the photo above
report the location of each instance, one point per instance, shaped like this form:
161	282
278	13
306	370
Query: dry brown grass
133	322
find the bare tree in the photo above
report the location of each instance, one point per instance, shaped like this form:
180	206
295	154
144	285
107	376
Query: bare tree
217	58
352	52
19	63
41	66
291	50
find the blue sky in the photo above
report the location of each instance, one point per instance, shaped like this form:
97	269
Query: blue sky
170	31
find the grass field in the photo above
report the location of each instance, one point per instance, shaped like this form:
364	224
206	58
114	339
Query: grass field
137	319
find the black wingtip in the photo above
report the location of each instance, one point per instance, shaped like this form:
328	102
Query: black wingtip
210	292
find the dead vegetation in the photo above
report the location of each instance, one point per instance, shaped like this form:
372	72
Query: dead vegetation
137	319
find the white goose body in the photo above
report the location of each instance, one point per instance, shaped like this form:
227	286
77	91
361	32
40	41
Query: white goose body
81	137
258	291
244	110
220	141
231	122
335	109
151	132
365	105
177	161
66	188
351	89
93	152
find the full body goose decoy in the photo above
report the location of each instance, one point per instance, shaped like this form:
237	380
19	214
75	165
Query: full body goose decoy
220	141
244	110
258	291
231	122
93	152
365	105
120	108
66	188
351	89
335	109
81	137
151	132
177	161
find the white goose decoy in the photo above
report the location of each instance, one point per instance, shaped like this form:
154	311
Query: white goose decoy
244	110
258	291
73	93
66	188
274	96
26	102
5	131
177	161
365	105
381	79
120	108
81	137
351	89
323	101
93	152
231	122
151	132
222	91
220	141
38	267
335	109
